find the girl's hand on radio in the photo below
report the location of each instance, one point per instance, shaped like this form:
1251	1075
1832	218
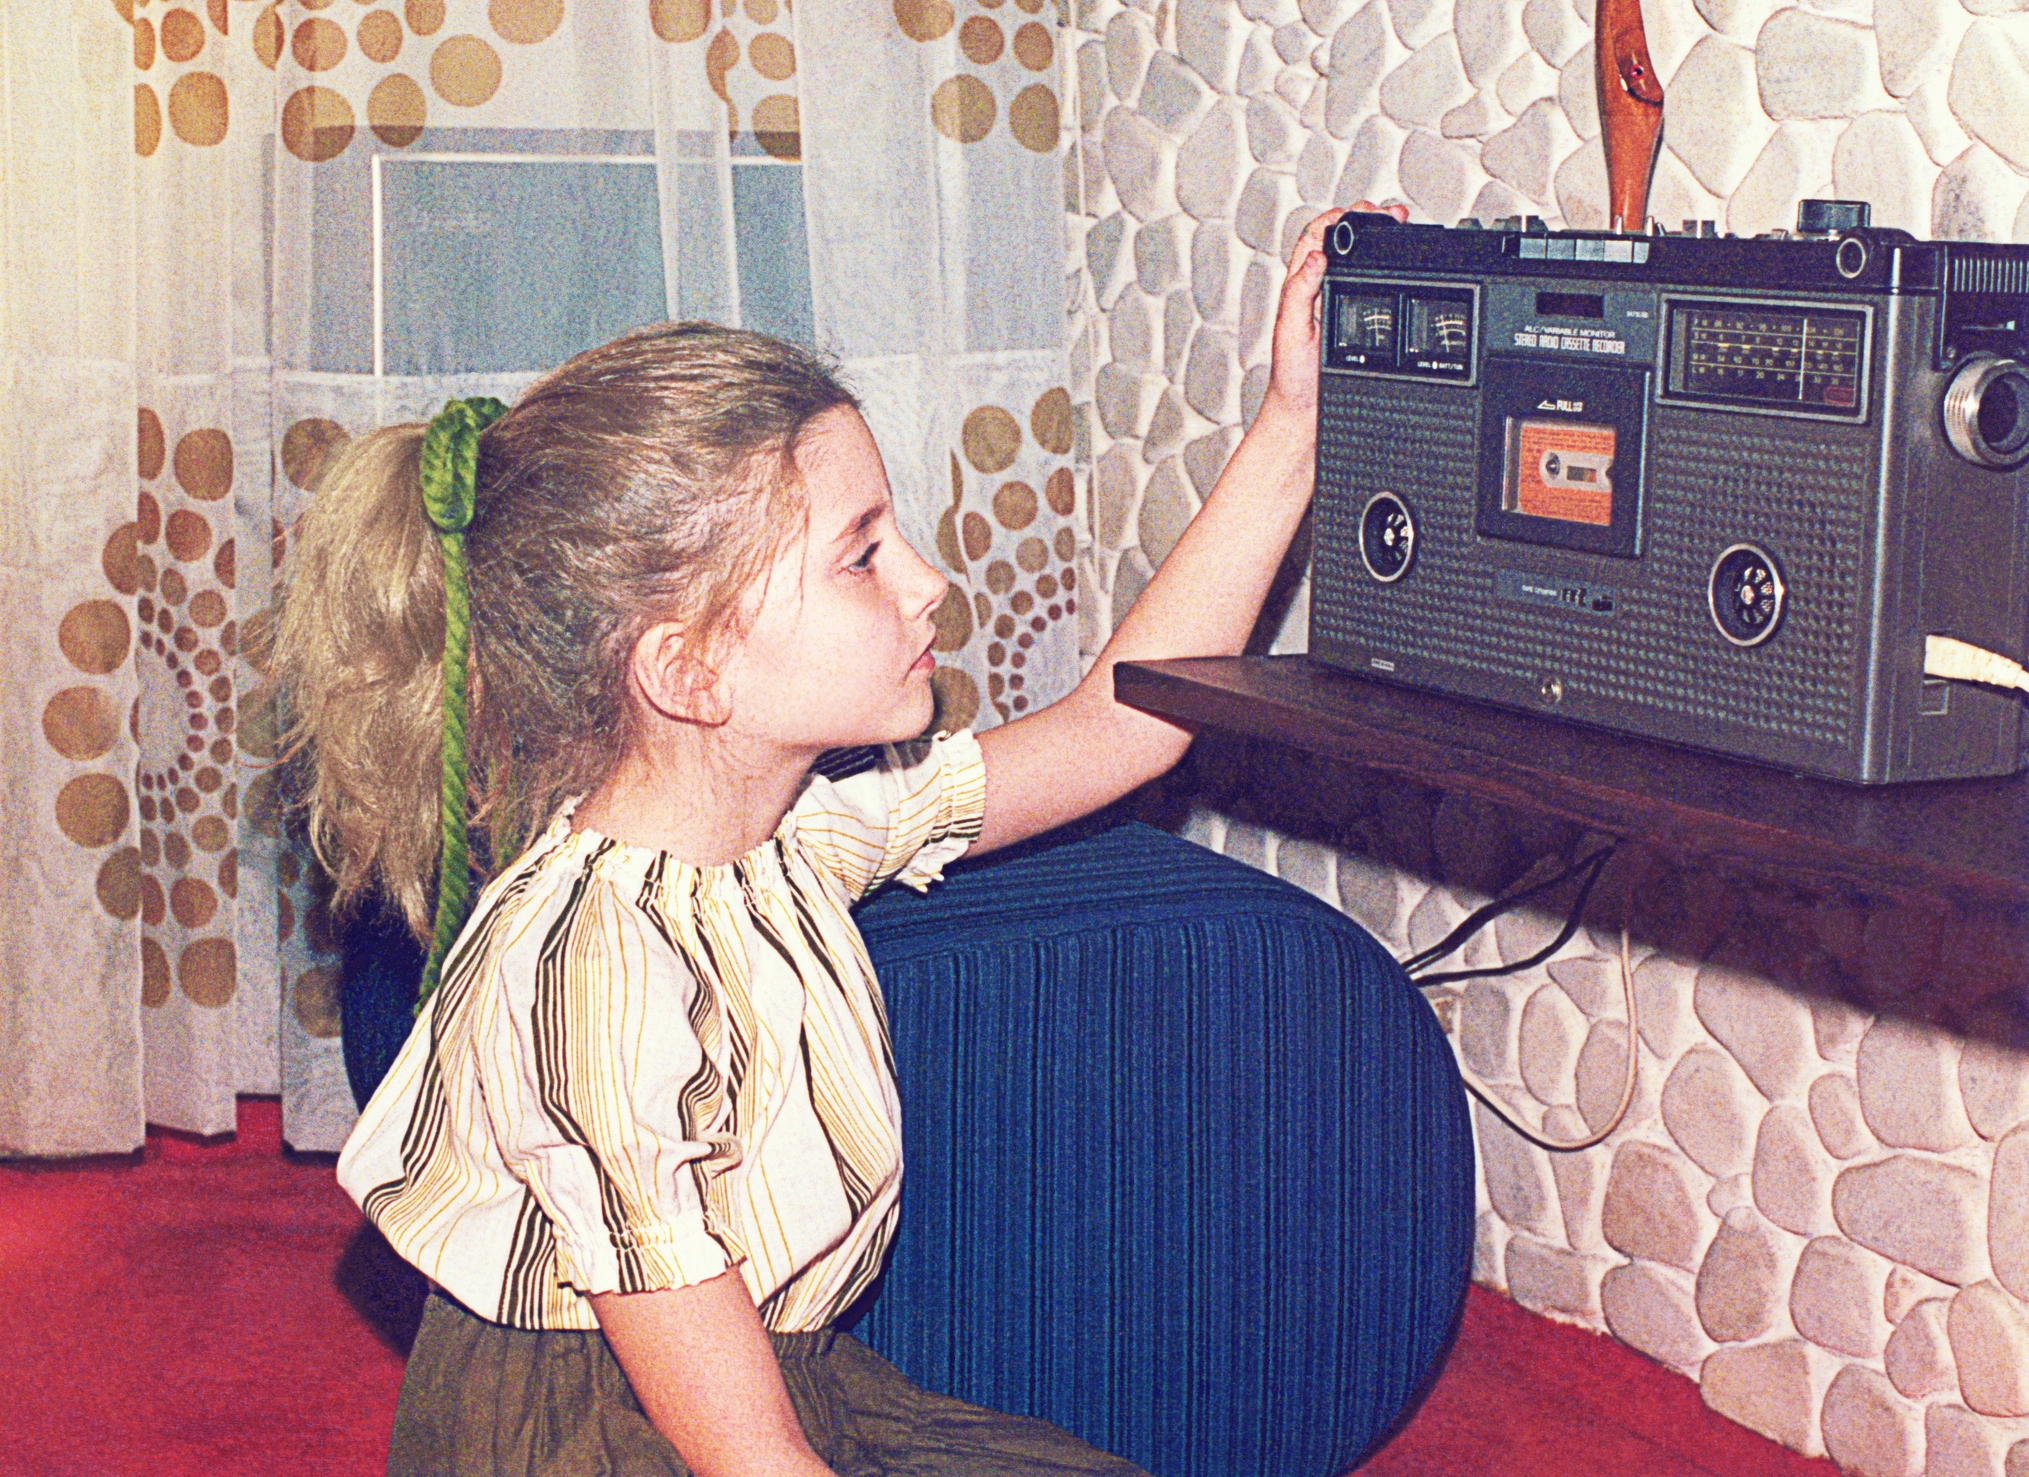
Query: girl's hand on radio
1293	368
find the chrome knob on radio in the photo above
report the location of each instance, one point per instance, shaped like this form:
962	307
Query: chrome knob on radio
1986	411
1746	594
1387	537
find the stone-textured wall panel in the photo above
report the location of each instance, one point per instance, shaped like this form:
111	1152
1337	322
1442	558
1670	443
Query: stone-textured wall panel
1653	1308
1995	1084
1742	1289
1908	1287
1916	40
1517	1179
1819	1210
1212	163
1989	77
1775	1388
1793	1175
1524	81
1172	95
1363	50
1130	45
1273	134
1810	65
1166	509
1835	1298
1318	167
1652	1210
1767	1031
1440	175
1881	158
1142	170
1710	1109
2008	1213
1372	169
1908	1082
1525	155
1930	114
1737	20
1552	1032
1552	1278
1976	197
1703	112
1989	1333
1488	1018
1960	1443
1603	1081
1838	1028
1594	984
1209	35
1918	1211
1581	1186
1870	1430
1418	22
1918	1359
1489	1251
1428	85
1160	251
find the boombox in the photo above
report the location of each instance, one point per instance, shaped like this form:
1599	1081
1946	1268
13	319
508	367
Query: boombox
1709	490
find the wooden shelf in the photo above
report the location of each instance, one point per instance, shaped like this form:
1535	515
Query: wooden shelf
1957	841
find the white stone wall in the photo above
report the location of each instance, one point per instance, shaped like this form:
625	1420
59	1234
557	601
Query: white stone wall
1817	1211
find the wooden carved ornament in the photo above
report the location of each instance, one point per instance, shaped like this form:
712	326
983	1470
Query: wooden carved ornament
1630	110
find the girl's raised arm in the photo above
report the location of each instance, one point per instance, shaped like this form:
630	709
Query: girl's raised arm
1088	750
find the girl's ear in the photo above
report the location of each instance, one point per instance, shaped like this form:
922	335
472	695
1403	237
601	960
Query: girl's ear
675	681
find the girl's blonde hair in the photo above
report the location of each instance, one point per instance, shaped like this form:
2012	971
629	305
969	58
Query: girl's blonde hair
650	480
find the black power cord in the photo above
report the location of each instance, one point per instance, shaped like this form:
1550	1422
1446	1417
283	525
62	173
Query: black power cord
1590	868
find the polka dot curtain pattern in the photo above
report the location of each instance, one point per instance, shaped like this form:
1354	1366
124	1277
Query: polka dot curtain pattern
240	232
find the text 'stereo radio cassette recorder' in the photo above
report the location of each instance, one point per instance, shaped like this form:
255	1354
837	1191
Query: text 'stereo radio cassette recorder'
1709	490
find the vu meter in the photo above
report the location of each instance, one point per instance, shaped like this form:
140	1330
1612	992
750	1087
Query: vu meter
1425	331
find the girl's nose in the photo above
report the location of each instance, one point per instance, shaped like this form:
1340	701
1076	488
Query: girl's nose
923	585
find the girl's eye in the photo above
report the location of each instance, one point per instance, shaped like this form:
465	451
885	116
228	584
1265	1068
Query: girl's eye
865	561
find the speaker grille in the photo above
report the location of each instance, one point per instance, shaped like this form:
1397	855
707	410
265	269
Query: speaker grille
1714	480
1973	270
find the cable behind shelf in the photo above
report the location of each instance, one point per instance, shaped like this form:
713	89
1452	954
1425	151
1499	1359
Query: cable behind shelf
1589	869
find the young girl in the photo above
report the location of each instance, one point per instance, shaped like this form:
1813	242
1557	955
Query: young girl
645	1138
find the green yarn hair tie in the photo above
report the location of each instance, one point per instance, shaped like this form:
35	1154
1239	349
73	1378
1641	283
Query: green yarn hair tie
450	474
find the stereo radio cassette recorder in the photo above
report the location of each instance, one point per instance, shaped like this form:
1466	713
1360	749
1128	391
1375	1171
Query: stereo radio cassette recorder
1709	490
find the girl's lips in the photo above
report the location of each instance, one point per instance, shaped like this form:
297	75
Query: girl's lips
924	663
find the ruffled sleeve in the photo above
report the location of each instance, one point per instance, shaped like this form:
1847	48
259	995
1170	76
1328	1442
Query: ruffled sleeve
593	1081
905	819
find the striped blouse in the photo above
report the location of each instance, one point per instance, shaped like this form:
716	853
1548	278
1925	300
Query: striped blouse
638	1072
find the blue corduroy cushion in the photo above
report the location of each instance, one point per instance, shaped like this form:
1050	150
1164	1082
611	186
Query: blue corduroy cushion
1189	1169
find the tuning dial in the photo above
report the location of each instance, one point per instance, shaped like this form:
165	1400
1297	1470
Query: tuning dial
1387	537
1746	594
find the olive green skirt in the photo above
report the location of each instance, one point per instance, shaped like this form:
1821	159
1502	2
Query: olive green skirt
481	1400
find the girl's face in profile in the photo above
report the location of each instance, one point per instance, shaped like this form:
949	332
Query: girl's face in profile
837	650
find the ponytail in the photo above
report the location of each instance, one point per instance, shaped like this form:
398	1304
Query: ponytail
357	652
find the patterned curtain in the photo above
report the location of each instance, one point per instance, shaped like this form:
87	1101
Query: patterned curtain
239	232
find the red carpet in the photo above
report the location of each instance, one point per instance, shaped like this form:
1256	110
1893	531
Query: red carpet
214	1309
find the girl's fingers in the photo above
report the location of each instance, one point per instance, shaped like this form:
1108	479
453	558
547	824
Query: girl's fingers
1312	238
